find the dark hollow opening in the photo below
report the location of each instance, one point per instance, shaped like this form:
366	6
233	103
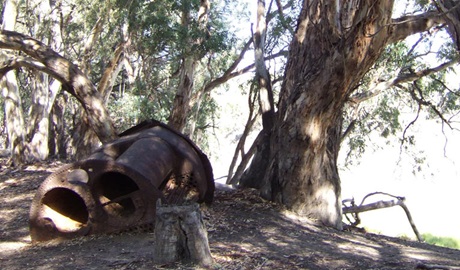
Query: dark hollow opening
114	192
67	203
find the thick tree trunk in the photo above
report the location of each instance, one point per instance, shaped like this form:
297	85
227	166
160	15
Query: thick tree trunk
9	84
13	117
56	109
333	47
84	140
181	103
58	140
38	128
303	175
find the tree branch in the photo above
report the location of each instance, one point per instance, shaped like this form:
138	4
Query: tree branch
355	209
15	61
403	140
451	12
105	82
230	74
401	78
282	18
72	78
423	102
405	26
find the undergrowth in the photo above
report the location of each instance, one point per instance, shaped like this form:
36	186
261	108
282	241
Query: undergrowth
442	241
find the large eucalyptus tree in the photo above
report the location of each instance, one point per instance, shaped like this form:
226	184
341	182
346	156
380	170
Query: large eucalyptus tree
335	44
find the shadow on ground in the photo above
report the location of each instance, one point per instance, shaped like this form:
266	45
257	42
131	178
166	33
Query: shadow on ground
245	232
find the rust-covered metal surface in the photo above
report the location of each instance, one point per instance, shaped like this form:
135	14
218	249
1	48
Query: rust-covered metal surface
116	188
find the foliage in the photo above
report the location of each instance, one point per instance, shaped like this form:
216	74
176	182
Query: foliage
205	122
161	40
430	95
158	40
379	115
442	241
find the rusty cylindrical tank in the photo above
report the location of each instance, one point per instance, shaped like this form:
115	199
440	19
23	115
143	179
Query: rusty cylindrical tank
116	188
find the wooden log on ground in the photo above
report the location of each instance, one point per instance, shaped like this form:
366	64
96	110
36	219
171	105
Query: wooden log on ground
371	206
383	204
180	235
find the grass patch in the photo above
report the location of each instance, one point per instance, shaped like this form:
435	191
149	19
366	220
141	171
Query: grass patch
442	241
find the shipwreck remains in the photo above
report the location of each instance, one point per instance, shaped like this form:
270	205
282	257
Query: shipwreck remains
117	187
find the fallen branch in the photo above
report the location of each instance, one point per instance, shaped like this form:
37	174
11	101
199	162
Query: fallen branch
371	206
355	209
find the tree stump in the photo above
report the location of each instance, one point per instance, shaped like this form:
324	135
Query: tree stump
180	235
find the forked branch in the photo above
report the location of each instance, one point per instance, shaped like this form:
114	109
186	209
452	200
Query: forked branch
354	209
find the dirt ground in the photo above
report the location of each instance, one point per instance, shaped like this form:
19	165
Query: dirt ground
244	231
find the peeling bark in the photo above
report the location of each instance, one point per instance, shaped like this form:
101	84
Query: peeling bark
181	103
334	45
451	12
38	128
14	117
253	177
304	175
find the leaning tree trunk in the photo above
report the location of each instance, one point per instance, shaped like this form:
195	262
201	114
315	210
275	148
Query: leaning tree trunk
84	140
73	80
181	106
181	103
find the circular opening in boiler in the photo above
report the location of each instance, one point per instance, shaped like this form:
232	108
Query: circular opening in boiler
66	209
115	193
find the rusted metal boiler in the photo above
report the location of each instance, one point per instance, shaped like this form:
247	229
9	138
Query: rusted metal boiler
117	187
